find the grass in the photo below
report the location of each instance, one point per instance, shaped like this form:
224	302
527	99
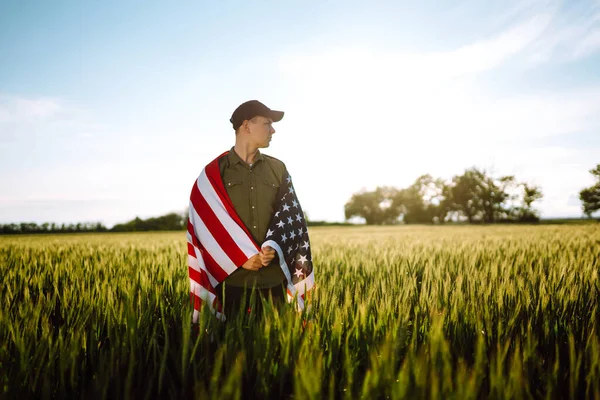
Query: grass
400	312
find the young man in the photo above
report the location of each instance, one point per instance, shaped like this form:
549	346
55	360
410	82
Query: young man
241	200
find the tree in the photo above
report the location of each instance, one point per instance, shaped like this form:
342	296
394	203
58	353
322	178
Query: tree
464	194
494	194
590	197
376	207
531	194
479	196
423	201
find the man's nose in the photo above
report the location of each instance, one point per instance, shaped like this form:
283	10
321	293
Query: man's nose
272	130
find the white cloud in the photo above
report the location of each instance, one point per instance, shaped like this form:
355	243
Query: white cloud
20	109
574	34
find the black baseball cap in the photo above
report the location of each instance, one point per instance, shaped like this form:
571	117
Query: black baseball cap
250	109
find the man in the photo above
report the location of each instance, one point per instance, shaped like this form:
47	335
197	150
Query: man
242	199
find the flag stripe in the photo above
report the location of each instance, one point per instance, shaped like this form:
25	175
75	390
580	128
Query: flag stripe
243	241
217	229
201	278
211	265
213	174
198	266
198	262
306	284
212	247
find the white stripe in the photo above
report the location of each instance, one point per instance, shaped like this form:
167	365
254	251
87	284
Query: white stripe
210	244
197	262
239	236
282	263
193	262
201	291
306	284
206	296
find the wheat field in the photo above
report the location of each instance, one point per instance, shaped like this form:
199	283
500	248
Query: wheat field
456	312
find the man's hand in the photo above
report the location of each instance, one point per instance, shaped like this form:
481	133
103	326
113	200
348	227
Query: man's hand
267	254
253	263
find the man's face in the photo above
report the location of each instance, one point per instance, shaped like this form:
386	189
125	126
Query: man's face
261	130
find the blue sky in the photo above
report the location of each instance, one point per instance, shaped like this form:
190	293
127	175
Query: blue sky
109	110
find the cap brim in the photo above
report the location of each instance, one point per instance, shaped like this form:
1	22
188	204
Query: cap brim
276	116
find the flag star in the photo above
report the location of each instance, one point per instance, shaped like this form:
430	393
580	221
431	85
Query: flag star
284	238
305	245
269	233
283	198
298	217
292	235
290	221
277	214
298	272
300	231
286	207
280	224
289	179
295	204
302	259
291	190
290	249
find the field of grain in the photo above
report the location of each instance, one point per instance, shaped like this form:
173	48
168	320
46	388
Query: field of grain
399	312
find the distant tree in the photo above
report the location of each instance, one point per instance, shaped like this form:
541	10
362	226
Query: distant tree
464	194
531	194
376	207
422	202
425	200
590	197
98	227
479	196
29	227
494	194
172	221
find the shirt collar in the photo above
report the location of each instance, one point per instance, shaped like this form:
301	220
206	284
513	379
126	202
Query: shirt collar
234	158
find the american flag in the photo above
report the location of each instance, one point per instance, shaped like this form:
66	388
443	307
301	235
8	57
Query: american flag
288	235
218	241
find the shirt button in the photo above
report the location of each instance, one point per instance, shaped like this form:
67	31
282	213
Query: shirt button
254	226
251	187
252	206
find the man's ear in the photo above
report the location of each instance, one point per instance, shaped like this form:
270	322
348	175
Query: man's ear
247	126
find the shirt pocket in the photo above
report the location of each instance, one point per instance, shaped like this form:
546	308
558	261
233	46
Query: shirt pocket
269	191
232	183
234	189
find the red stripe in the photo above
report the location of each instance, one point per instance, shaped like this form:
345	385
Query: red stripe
211	265
213	173
191	250
201	278
217	230
197	301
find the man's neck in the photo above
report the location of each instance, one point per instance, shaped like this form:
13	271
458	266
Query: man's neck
246	152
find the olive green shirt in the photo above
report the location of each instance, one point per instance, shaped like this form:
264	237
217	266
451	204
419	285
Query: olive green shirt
252	190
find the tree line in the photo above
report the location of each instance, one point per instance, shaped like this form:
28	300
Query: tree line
474	197
168	222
